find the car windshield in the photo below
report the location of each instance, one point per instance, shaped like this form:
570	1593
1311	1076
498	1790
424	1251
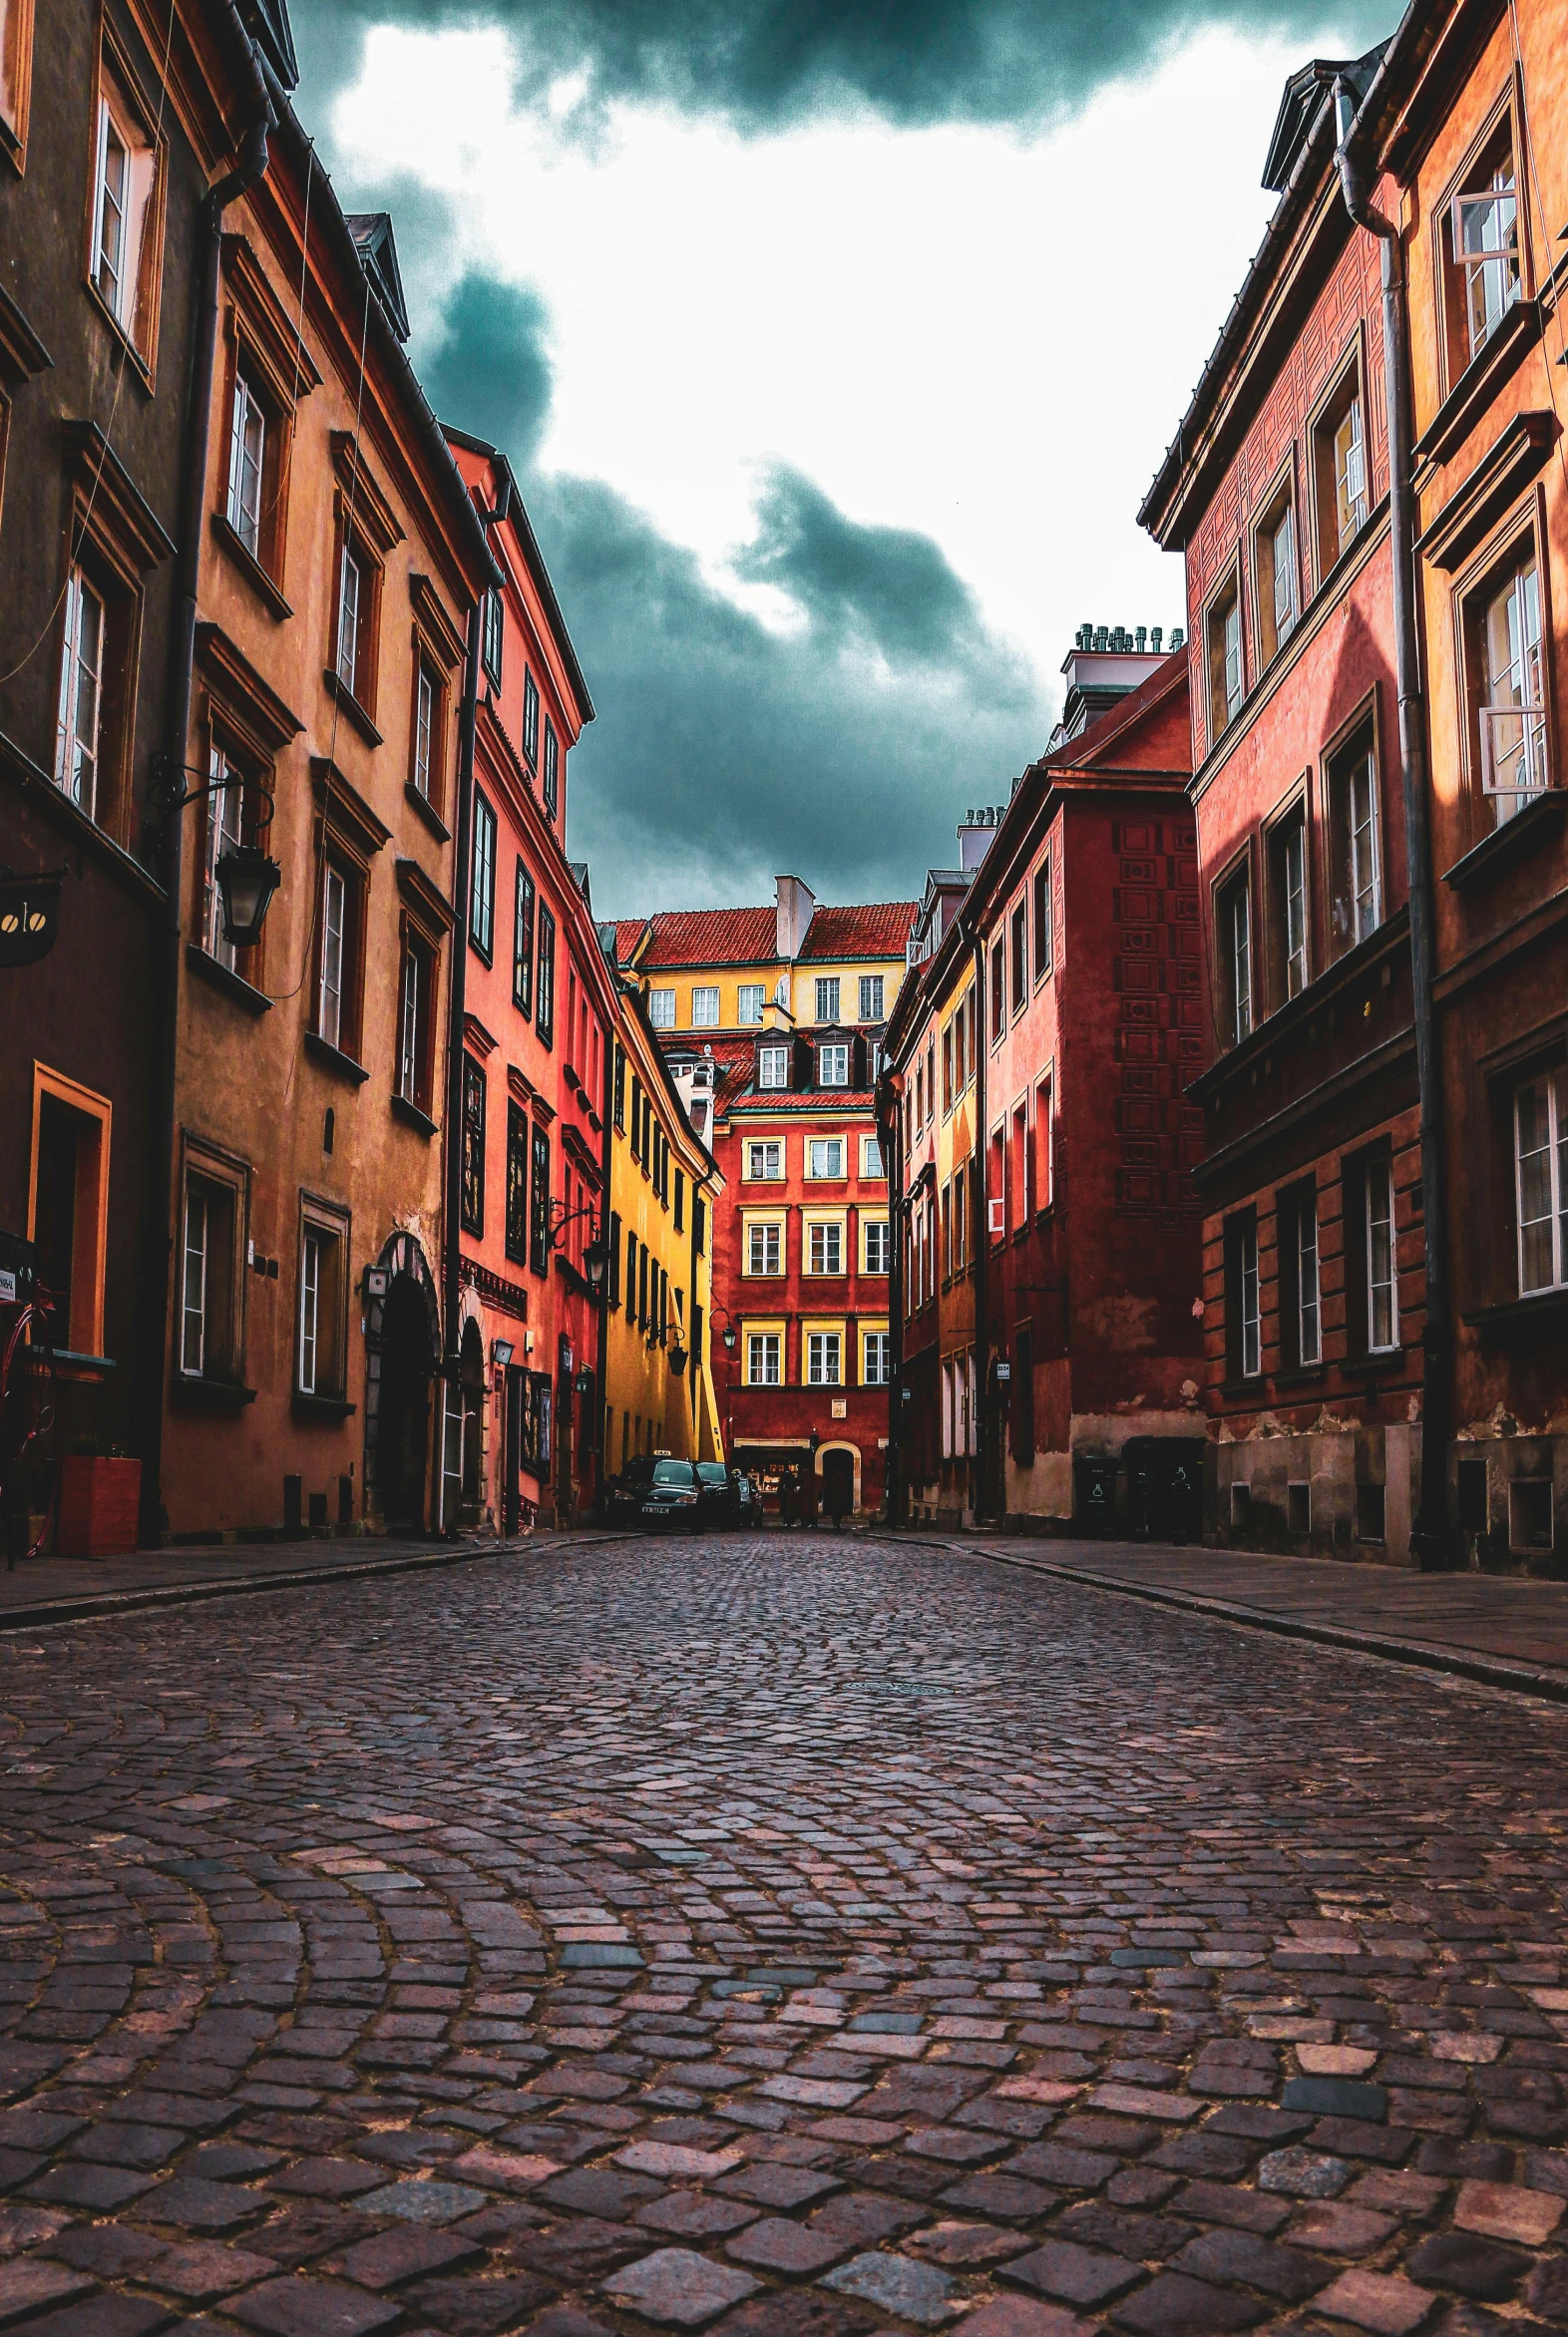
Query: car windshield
672	1472
713	1473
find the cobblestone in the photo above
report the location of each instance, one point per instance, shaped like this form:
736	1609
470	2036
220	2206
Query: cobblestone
775	1941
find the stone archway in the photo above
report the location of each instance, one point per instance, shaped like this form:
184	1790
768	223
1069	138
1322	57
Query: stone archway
403	1352
849	1455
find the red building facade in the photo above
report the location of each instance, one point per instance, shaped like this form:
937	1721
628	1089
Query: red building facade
523	1432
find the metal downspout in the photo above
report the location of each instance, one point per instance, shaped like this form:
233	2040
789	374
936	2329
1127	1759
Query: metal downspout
462	879
171	789
978	1186
1430	1538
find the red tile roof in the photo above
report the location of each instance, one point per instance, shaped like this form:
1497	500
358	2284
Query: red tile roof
789	1099
873	928
749	936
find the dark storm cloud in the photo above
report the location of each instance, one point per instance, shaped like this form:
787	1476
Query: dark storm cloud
766	61
725	751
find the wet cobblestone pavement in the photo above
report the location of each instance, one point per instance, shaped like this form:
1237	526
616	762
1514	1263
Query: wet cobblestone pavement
770	1936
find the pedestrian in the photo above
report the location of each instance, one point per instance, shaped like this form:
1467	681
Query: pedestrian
786	1496
835	1500
808	1496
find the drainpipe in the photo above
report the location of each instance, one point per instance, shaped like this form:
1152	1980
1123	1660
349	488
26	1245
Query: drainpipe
981	1204
462	879
602	1371
889	1131
1429	1537
151	1343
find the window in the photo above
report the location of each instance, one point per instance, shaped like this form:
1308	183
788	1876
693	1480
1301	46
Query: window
825	1156
481	899
872	986
871	1158
223	826
1355	846
321	1358
704	1010
833	1066
826	1250
1044	1146
1540	1121
824	1359
1382	1289
996	1185
529	719
764	1161
1243	1316
416	978
539	1213
1514	715
773	1066
1339	454
1277	607
1018	936
1301	1312
246	458
126	205
551	770
998	997
661	1009
523	946
826	997
1288	972
517	1186
762	1250
209	1283
1234	919
67	1207
16	76
494	633
762	1359
876	1246
621	1089
545	994
426	695
876	1370
632	1276
81	693
1225	660
750	1000
1484	241
1042	920
946	1066
337	972
473	1163
350	599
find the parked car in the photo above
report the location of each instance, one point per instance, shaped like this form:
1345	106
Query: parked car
716	1502
653	1492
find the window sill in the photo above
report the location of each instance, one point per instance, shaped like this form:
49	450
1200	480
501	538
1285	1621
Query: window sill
331	1410
331	1059
1392	1359
1305	1376
1542	1313
66	1363
189	1394
255	576
1524	833
126	346
358	714
223	980
412	1116
1478	384
428	813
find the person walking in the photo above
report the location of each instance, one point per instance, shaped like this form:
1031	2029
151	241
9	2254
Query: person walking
786	1496
834	1496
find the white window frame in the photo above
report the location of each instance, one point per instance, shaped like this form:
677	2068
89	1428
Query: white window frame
410	1033
1282	559
876	1235
309	1306
78	743
750	999
424	729
771	1149
833	1065
773	1069
871	1167
1238	913
1486	231
661	1009
1294	859
1383	1260
1548	1205
1308	1293
764	1359
824	1248
1364	842
706	1007
876	1358
1349	450
820	1152
764	1250
334	923
350	593
195	1244
1513	718
872	991
826	997
824	1359
224	832
246	457
1250	1302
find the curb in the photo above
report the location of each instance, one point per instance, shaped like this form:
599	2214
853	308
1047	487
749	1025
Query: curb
1486	1670
54	1612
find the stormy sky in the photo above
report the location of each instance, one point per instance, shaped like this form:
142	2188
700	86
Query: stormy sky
834	346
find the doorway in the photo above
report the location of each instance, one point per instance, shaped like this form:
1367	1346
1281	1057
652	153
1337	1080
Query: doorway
471	1372
403	1418
838	1482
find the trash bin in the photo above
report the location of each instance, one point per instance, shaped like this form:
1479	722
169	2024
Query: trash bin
1095	1490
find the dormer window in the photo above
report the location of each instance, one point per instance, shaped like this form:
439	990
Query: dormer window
773	1066
833	1065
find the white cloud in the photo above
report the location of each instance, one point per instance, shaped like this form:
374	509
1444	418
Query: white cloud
986	337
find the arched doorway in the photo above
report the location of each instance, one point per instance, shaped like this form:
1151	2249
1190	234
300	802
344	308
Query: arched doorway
838	1481
402	1337
470	1375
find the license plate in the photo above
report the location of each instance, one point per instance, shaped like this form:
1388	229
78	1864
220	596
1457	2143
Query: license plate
652	1509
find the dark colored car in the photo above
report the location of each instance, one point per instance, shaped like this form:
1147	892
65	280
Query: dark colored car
716	1500
649	1491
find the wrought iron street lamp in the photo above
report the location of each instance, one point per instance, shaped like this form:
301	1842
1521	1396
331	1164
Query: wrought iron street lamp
246	882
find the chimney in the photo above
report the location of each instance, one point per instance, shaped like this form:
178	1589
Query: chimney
796	902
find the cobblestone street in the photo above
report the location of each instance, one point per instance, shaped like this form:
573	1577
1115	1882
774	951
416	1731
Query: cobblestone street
796	1935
